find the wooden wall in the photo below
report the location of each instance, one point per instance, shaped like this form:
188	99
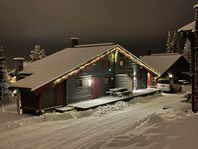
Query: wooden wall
124	81
29	101
74	93
100	70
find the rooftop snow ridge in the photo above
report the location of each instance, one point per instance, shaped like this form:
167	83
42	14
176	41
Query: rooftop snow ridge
163	54
93	45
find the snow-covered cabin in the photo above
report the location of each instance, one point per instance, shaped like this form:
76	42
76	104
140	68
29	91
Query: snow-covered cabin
169	64
80	73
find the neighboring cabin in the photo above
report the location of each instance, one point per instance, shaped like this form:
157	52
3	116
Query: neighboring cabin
169	64
80	73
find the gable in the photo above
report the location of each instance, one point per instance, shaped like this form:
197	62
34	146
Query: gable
99	57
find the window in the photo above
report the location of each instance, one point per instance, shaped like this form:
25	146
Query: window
79	83
107	80
176	81
121	62
106	63
164	81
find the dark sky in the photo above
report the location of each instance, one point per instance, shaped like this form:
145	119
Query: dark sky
138	25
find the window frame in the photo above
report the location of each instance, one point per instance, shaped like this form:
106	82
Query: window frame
79	83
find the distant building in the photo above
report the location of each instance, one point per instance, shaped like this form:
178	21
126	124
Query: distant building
80	73
169	64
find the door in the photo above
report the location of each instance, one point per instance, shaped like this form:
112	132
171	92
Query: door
148	80
94	87
59	94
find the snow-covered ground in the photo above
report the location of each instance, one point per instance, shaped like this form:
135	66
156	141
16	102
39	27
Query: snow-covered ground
145	122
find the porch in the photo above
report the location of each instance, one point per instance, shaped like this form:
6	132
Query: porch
92	103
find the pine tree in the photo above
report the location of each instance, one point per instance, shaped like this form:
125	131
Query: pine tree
187	50
175	43
37	53
4	91
169	43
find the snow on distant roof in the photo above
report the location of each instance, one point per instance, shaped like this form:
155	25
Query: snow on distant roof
93	45
188	27
161	62
195	6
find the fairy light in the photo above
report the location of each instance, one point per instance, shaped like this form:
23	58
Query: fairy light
116	56
116	50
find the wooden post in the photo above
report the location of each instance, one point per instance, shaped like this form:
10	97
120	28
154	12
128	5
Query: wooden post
19	110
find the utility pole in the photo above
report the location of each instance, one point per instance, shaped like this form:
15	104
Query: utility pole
192	34
195	64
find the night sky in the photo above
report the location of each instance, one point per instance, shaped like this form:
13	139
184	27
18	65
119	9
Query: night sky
138	25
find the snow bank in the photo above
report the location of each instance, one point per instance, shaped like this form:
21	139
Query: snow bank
104	110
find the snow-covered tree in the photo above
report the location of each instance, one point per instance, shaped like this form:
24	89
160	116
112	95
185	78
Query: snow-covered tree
187	50
37	53
4	83
175	43
169	43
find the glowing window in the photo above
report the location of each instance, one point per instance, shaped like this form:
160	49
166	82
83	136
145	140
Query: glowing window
121	63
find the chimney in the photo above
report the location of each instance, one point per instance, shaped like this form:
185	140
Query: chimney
19	63
74	41
149	52
196	16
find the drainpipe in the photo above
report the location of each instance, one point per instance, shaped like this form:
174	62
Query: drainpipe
195	64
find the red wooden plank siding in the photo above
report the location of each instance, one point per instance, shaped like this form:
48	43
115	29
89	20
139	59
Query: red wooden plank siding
59	94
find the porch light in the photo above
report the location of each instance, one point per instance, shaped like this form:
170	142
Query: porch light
14	92
170	75
89	82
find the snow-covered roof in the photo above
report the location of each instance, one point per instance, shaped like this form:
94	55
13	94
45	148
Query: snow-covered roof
161	62
68	61
188	27
195	6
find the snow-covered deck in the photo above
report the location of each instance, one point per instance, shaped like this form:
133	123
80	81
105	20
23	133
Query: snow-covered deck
92	103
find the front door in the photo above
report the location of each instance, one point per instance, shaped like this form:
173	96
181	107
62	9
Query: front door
94	87
59	94
148	80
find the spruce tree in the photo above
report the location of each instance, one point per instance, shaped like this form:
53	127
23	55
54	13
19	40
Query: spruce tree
4	91
37	53
175	43
169	43
187	50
